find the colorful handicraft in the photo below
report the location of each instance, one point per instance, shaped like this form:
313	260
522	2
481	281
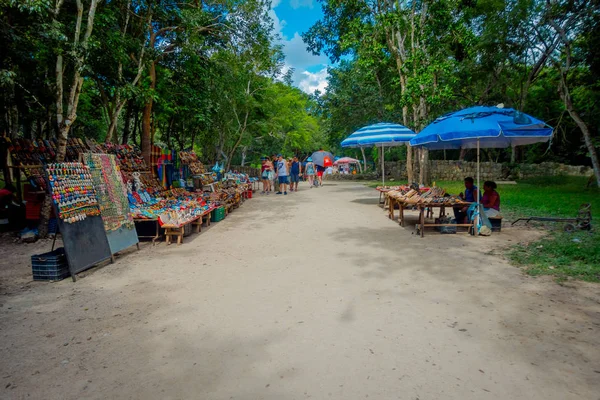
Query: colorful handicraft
190	159
33	154
72	191
110	190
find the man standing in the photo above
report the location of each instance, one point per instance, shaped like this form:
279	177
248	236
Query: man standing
282	173
295	172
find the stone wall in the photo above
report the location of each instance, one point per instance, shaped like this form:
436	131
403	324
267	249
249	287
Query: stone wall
458	170
523	171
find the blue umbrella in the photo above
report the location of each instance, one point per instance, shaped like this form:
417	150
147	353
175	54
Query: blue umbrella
382	134
488	127
379	134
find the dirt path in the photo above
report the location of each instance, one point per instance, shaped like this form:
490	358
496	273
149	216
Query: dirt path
313	295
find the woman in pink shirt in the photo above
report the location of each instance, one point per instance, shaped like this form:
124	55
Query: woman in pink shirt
490	199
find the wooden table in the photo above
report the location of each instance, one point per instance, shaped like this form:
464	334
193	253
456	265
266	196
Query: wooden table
392	202
423	208
178	230
383	195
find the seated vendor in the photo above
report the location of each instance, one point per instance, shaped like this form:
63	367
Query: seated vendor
470	195
490	199
10	209
7	196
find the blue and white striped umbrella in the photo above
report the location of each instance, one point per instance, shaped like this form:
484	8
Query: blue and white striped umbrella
385	134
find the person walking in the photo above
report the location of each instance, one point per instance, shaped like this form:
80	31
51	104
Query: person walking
274	180
309	169
264	175
295	172
320	172
282	174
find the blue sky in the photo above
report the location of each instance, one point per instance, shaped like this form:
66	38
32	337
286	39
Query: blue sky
292	18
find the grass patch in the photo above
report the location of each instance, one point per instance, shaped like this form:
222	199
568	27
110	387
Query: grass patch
564	255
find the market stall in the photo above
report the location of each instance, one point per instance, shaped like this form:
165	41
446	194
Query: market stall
348	161
425	201
482	127
29	157
79	216
112	199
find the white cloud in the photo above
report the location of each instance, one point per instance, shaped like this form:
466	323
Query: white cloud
297	56
275	3
314	81
296	4
278	24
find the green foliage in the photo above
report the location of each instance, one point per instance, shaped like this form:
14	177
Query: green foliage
218	89
457	54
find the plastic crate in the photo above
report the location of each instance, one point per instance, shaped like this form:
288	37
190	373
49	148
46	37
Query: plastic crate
218	214
50	266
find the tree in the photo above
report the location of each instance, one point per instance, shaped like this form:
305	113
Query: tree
71	57
566	23
118	58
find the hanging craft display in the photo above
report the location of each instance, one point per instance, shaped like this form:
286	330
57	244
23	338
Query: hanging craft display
32	154
190	159
72	190
110	191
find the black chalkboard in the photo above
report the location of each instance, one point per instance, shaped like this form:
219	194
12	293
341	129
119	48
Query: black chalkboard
85	243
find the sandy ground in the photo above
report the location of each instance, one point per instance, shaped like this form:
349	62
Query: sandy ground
313	295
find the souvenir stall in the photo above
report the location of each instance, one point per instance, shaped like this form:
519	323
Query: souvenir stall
30	157
173	210
113	201
78	211
195	170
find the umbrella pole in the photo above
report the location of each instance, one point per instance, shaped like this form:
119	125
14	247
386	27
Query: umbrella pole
478	193
383	165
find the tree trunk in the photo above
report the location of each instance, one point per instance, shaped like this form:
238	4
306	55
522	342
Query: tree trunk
563	90
410	171
113	133
513	154
244	149
424	177
4	160
586	135
136	127
362	150
127	126
463	153
146	140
